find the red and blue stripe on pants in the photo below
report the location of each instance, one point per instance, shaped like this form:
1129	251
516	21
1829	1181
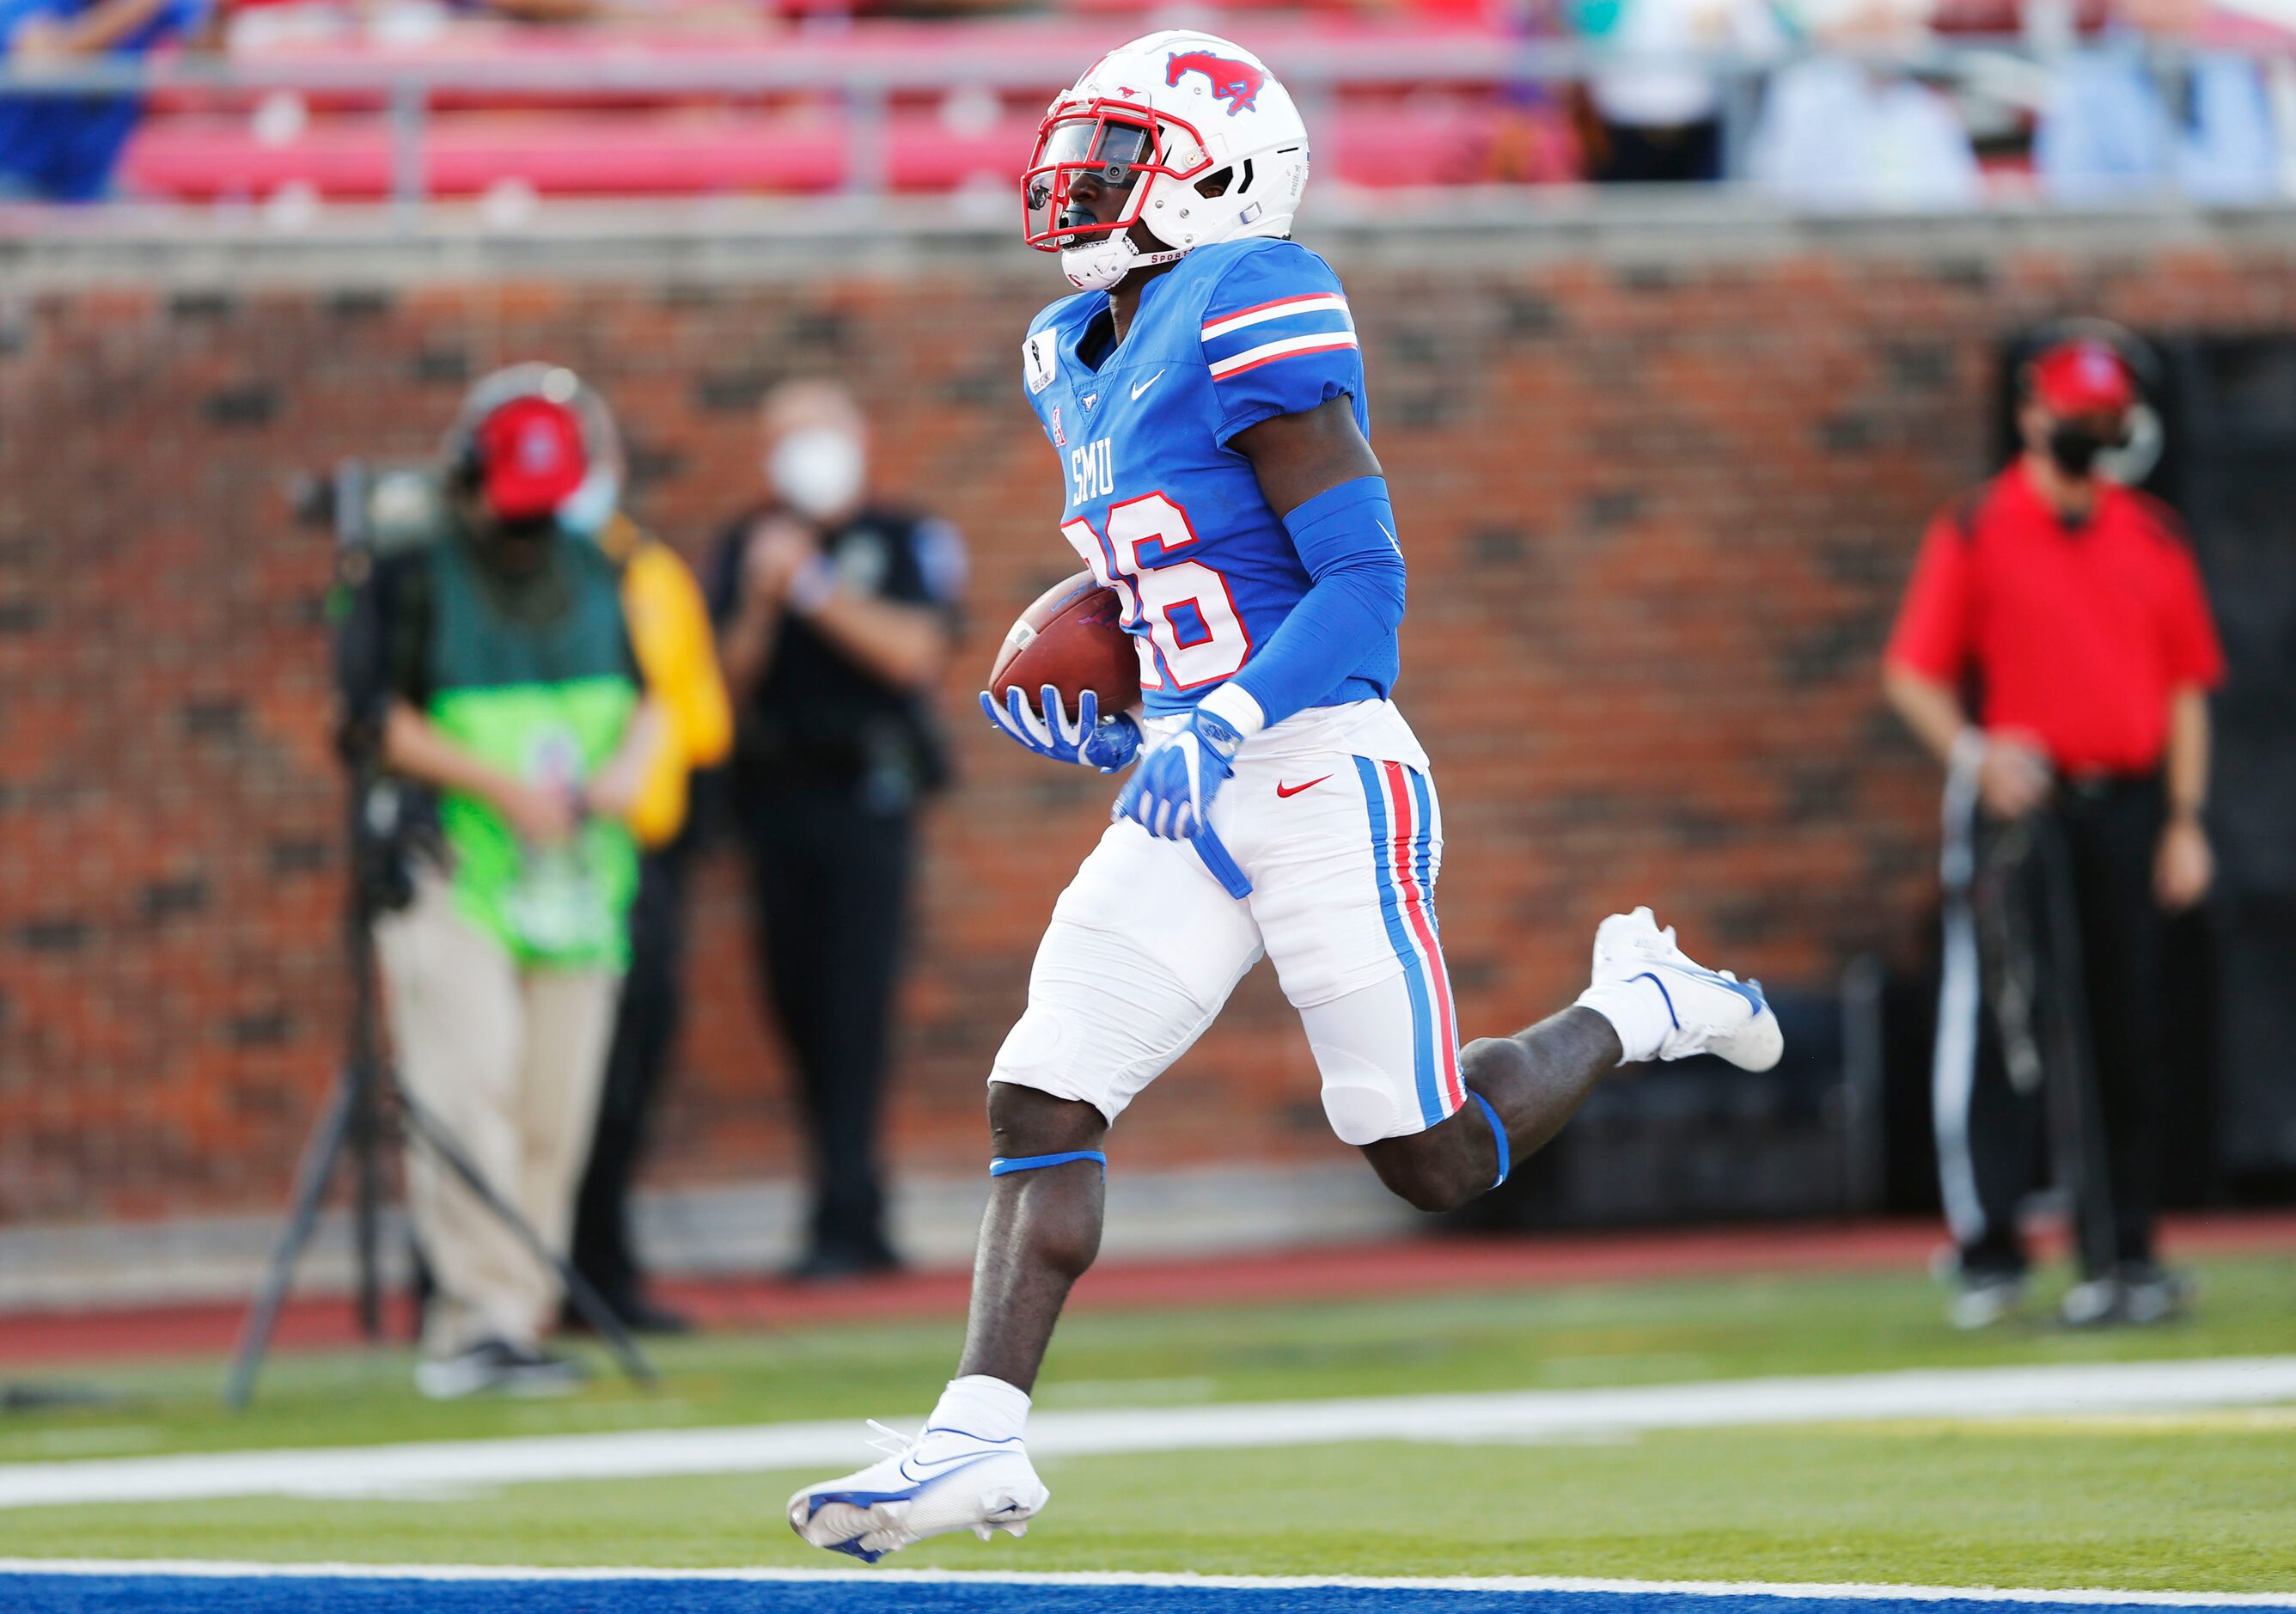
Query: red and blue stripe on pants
1402	811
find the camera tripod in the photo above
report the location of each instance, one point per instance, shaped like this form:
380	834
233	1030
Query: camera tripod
353	1125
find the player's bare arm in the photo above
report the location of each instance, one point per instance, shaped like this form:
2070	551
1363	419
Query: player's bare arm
1298	456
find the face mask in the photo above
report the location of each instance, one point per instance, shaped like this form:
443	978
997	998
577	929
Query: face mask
819	470
589	507
2075	448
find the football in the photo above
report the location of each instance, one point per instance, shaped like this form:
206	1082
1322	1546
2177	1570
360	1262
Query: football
1073	639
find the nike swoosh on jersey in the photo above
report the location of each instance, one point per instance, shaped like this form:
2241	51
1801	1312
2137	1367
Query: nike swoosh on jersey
1143	386
1288	790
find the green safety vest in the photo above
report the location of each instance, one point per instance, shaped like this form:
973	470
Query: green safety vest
547	699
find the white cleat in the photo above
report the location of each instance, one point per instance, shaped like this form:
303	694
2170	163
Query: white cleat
942	1481
1712	1010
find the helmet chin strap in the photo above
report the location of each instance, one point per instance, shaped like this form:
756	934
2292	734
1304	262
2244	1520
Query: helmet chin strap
1103	263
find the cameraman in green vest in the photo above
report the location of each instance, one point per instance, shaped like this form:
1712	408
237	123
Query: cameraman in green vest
513	695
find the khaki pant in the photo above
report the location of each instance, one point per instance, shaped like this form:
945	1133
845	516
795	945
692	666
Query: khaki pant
509	1061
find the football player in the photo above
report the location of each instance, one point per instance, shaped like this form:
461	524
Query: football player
1204	392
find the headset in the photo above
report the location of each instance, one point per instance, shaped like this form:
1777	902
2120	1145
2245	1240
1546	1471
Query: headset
2139	456
463	461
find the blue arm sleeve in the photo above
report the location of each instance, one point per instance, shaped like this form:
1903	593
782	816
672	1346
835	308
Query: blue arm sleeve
1346	539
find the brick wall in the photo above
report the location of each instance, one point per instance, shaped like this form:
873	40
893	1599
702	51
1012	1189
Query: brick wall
1659	496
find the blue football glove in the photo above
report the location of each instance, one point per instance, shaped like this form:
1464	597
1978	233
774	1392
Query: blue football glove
1106	744
1171	795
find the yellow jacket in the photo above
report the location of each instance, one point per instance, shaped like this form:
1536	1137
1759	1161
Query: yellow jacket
669	632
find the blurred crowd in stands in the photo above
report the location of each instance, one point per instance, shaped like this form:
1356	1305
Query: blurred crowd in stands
1826	103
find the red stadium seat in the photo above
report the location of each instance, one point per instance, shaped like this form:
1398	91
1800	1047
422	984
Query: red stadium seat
683	152
605	131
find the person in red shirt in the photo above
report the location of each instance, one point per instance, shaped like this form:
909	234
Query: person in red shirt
2054	650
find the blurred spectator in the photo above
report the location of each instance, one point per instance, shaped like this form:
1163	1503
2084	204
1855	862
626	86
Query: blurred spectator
64	147
513	692
836	618
2143	113
1841	128
2074	808
1660	118
539	11
669	630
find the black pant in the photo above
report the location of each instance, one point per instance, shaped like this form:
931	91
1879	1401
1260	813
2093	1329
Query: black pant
833	877
654	1000
2068	1051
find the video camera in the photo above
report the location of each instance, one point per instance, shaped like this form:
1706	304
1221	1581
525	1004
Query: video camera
376	510
374	507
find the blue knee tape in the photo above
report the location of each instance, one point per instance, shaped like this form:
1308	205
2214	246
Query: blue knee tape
1498	1135
1003	1167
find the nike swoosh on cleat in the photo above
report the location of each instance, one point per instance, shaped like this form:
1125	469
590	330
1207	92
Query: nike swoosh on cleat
947	1466
1751	994
1143	386
1289	790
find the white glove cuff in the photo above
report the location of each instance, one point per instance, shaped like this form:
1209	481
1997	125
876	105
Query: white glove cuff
1234	706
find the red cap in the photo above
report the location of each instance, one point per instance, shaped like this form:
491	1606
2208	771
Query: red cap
530	451
2085	376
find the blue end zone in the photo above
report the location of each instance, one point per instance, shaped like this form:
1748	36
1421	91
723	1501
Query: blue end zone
161	1593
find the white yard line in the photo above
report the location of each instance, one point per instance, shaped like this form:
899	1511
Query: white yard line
2077	1390
1849	1591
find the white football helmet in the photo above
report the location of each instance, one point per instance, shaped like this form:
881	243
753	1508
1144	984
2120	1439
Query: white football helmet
1161	116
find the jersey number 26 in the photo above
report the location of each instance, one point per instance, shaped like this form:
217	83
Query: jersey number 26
1189	613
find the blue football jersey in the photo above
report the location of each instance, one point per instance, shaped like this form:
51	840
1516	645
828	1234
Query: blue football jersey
1157	503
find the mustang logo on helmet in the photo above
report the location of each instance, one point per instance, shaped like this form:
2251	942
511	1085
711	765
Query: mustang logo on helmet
1237	83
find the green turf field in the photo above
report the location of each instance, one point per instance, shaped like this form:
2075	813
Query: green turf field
2196	1500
